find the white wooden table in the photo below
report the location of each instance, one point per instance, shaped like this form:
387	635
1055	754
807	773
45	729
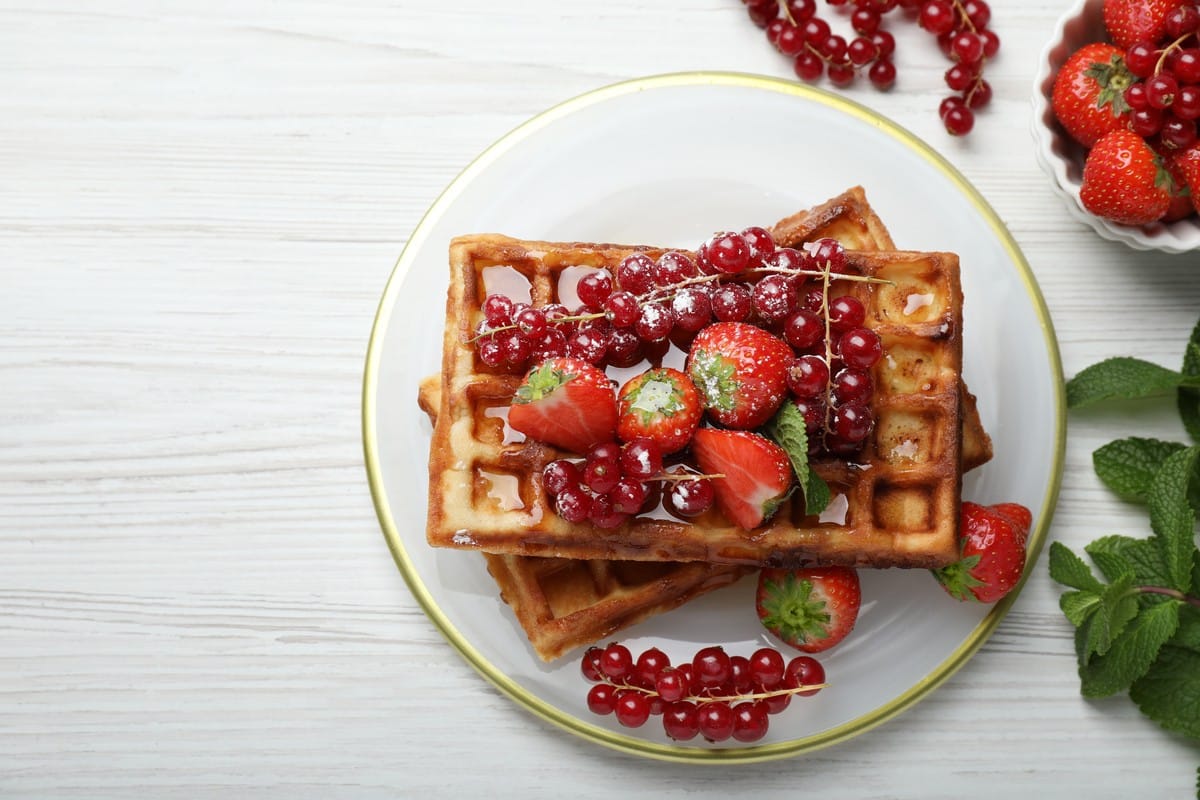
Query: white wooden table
200	203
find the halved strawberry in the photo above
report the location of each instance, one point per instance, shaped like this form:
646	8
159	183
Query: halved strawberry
567	403
812	608
661	405
741	372
757	473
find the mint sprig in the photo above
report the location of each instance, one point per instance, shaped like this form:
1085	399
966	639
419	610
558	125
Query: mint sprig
1137	624
787	429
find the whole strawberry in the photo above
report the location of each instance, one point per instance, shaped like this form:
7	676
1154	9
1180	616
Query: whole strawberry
1187	164
991	552
1089	92
741	372
567	403
661	405
1124	180
811	609
1130	21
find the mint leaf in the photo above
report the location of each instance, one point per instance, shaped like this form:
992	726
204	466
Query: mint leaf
1172	517
1069	569
1127	466
1142	555
1187	635
1078	606
1169	692
788	430
1117	605
1132	654
1123	377
1188	398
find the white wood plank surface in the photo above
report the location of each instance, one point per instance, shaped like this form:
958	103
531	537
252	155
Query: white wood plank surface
200	203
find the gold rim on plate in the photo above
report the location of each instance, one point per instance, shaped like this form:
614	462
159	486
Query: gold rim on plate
525	697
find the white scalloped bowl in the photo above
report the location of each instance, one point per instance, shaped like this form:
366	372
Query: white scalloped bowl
1062	158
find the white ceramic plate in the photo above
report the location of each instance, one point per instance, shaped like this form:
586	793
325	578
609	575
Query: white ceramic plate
668	160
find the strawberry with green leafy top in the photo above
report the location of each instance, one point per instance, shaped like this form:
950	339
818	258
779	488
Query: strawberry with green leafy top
991	552
567	403
741	372
1125	181
756	473
661	405
1089	92
1187	165
811	609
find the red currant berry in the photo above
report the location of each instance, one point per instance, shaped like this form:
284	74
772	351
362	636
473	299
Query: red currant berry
593	289
624	348
749	722
841	74
852	386
602	699
1146	122
814	300
808	376
655	322
1160	90
1135	96
804	671
632	708
628	496
803	329
815	30
786	258
516	348
801	10
775	28
828	254
648	665
882	74
588	344
1177	133
497	310
1187	103
603	512
715	721
961	76
864	20
967	48
808	66
1187	66
670	684
861	51
851	422
622	309
690	498
641	459
573	504
991	43
760	242
692	308
1141	59
979	95
774	297
950	103
767	667
959	121
936	16
728	252
590	664
490	352
673	267
1181	21
531	321
791	40
633	273
731	303
860	348
978	12
833	48
710	667
846	312
761	13
559	474
885	43
680	721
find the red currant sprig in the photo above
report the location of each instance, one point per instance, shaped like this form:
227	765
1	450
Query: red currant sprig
713	695
1165	102
961	26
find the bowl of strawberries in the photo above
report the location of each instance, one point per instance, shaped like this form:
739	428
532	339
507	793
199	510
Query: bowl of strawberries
1117	119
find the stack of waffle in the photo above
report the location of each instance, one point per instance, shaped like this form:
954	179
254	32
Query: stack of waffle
569	584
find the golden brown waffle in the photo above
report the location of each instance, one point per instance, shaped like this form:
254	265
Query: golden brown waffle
898	506
564	603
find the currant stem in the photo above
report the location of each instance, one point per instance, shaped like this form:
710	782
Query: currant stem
1166	51
820	273
962	13
1173	593
728	698
828	354
684	476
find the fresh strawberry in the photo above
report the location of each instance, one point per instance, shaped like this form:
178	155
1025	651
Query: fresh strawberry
662	405
757	473
741	372
1124	180
991	552
1187	164
1181	195
1089	92
811	609
567	403
1130	21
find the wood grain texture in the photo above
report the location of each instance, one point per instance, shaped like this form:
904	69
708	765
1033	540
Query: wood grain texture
200	203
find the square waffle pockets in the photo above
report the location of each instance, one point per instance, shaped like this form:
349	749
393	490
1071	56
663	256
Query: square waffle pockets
897	506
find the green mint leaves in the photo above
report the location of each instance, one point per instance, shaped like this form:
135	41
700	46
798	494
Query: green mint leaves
1137	624
787	429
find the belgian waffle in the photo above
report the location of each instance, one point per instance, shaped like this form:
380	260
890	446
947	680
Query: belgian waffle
564	603
897	506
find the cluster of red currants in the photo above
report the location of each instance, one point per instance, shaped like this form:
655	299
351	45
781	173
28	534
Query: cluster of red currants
961	28
615	481
1165	101
713	695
